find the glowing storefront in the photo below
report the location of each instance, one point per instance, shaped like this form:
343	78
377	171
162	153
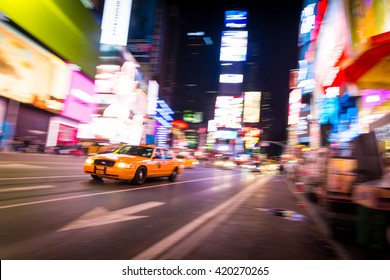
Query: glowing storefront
38	67
370	61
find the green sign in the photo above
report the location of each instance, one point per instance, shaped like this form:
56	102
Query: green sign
65	27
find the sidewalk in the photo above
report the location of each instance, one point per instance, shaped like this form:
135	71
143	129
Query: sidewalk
276	223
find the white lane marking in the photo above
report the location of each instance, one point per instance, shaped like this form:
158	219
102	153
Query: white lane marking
109	192
101	216
168	242
26	188
57	177
20	165
42	177
40	162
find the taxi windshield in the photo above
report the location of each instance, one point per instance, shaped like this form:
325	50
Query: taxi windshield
134	151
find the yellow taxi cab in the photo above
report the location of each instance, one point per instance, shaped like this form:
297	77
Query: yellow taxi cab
135	163
188	161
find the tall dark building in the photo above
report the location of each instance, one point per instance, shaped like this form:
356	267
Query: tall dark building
197	72
166	45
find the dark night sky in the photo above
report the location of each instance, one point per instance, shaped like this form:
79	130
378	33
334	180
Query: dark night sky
272	24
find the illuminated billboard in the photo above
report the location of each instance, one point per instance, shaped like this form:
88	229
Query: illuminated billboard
225	134
29	73
231	78
192	117
368	19
252	101
66	27
115	23
153	89
251	137
163	114
328	109
234	45
80	103
236	19
228	112
294	106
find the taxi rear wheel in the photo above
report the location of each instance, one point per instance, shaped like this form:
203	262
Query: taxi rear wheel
140	176
173	176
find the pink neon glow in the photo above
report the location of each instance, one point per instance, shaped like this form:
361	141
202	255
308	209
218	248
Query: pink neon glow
374	97
80	102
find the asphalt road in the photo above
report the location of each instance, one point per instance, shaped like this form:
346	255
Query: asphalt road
50	209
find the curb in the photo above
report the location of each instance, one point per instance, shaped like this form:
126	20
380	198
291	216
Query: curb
321	224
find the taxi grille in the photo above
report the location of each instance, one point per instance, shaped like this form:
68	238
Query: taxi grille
104	162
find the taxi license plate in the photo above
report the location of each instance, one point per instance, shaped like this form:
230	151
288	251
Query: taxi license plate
99	171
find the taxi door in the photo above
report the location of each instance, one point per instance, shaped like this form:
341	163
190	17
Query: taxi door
155	165
168	163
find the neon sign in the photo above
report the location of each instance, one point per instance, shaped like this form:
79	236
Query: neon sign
163	114
236	19
308	18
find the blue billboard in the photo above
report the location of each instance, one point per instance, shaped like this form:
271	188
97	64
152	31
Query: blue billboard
236	19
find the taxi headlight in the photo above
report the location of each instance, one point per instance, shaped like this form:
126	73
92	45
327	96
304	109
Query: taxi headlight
229	164
89	161
125	165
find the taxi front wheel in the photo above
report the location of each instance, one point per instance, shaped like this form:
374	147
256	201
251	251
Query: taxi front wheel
140	176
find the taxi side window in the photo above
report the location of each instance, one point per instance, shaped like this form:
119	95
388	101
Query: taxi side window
149	152
167	155
157	154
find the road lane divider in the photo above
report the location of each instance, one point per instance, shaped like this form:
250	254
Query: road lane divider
43	177
229	206
64	176
112	192
28	188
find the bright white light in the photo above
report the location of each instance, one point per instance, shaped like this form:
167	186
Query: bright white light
332	92
231	78
115	23
82	95
199	33
373	98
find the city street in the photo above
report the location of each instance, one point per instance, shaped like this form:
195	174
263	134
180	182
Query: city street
49	209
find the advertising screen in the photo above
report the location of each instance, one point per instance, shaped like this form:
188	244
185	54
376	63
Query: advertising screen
231	78
66	135
374	97
303	127
81	102
236	19
333	46
225	134
228	111
294	106
234	46
115	23
252	101
29	73
367	19
328	109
